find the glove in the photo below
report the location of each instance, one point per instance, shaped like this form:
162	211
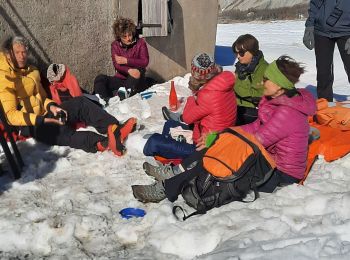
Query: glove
347	46
309	40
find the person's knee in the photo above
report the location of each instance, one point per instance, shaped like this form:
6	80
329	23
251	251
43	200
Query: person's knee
135	73
152	145
100	78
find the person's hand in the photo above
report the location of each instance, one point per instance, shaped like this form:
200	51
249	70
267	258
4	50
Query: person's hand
309	39
55	110
201	142
121	60
135	73
49	120
347	46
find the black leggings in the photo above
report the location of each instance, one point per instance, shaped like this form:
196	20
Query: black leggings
107	86
79	109
278	179
324	51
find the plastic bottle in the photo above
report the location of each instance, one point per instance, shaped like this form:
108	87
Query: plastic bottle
173	103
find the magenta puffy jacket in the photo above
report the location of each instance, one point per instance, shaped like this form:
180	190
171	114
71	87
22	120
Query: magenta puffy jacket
137	56
283	129
214	108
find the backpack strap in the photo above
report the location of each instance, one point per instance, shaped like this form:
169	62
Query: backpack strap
197	212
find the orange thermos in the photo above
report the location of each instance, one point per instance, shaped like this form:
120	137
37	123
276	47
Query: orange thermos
173	104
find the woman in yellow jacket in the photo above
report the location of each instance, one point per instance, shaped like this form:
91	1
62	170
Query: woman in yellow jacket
27	107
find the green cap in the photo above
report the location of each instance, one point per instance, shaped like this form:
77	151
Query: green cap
273	73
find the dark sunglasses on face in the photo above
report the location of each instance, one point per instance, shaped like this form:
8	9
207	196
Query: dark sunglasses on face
240	52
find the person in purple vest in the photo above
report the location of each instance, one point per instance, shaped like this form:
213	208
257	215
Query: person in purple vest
130	59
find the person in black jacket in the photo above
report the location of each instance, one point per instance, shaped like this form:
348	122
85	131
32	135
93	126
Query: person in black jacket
328	24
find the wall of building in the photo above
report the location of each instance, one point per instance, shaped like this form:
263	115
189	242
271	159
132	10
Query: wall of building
78	33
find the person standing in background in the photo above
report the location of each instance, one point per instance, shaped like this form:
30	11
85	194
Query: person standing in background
328	24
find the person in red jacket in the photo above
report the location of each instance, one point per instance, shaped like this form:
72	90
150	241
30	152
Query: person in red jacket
130	59
211	108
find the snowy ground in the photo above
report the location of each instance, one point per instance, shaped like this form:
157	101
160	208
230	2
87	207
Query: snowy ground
67	202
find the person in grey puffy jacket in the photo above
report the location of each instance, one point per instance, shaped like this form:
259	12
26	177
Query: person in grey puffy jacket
328	24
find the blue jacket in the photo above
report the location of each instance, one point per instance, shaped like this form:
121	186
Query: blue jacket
330	18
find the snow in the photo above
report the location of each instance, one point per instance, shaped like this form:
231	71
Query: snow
66	205
254	4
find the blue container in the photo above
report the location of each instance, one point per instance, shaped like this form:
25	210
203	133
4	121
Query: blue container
132	212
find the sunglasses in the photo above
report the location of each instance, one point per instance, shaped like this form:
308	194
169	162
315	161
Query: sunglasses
240	52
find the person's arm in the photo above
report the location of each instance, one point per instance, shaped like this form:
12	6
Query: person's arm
123	69
142	59
313	9
195	110
275	129
14	116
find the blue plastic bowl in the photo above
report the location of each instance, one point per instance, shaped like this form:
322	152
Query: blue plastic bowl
132	212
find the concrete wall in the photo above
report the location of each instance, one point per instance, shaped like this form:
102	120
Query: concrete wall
78	33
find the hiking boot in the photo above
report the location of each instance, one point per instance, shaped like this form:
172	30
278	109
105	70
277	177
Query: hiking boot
149	193
126	128
123	93
114	142
168	115
160	173
118	134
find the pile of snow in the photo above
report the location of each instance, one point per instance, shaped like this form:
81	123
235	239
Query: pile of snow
67	203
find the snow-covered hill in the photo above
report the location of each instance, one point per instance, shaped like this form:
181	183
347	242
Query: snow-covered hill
258	4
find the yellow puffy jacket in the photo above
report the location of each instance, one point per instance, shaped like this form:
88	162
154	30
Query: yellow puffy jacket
21	94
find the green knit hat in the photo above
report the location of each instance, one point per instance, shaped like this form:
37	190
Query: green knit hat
273	73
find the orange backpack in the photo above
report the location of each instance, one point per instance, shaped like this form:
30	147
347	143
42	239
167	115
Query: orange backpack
337	116
234	165
231	151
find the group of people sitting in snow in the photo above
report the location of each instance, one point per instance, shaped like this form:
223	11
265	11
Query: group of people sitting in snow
259	98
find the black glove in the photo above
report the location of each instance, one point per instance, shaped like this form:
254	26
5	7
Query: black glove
309	40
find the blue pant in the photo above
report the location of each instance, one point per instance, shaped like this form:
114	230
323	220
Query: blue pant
164	145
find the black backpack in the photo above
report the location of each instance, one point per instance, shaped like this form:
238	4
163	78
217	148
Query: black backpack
206	191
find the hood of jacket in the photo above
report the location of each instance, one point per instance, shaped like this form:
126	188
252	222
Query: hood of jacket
304	103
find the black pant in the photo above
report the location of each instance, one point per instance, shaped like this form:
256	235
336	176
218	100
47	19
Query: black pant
324	51
79	109
278	179
192	165
107	86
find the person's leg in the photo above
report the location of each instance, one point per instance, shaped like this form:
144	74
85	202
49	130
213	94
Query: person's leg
278	178
157	144
136	85
324	50
101	84
174	186
172	124
52	134
344	55
107	86
81	109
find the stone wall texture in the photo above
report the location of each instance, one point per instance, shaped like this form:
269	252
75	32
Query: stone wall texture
78	33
